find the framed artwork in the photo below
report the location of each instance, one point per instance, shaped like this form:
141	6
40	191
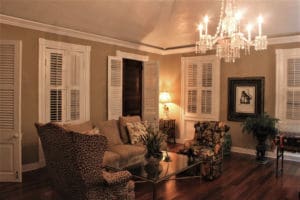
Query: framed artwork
245	97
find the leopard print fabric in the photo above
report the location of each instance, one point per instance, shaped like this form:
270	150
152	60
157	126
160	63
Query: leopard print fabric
74	162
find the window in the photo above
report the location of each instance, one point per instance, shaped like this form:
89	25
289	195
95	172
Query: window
64	82
288	89
201	87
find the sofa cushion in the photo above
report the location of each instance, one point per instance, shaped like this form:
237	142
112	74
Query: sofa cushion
136	130
123	130
111	131
79	128
111	159
129	154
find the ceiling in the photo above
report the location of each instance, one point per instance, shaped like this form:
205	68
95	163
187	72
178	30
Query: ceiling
159	23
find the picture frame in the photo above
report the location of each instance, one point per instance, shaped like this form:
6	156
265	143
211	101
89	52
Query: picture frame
245	97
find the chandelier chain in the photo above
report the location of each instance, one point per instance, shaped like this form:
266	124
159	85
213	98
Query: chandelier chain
220	19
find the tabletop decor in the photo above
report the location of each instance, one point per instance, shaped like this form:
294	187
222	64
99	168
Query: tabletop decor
153	142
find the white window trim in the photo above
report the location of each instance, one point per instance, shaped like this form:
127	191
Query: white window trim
43	44
281	77
132	56
211	59
183	117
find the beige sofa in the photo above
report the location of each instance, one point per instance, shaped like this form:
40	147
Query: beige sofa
120	153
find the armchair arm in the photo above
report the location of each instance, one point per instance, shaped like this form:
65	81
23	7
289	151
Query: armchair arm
113	178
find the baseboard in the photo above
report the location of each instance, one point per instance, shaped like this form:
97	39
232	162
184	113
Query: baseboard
31	166
270	154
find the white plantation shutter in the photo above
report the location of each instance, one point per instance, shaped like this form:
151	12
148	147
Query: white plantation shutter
293	89
192	91
56	85
115	82
288	89
65	83
201	88
75	86
10	111
7	86
151	92
206	87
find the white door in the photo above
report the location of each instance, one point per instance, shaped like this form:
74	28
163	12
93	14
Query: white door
151	93
10	111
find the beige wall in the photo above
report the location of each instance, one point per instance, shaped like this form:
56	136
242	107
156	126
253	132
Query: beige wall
99	53
257	64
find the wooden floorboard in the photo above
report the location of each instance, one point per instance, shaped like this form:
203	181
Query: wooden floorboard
242	179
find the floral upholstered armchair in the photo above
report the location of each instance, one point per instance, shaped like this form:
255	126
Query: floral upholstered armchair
74	162
208	142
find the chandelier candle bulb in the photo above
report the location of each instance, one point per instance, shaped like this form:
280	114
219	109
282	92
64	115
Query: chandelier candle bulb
206	24
249	27
260	21
238	17
200	28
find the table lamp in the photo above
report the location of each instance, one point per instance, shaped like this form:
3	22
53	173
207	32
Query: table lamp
164	98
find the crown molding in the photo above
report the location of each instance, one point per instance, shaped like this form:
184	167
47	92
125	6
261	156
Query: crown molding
284	39
15	21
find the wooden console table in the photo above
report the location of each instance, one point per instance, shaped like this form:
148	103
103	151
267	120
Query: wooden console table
286	142
168	127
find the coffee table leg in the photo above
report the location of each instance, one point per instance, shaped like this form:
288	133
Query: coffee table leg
154	193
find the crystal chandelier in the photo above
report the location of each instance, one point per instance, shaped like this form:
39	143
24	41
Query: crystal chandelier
228	39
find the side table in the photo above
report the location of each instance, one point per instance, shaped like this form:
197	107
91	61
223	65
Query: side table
168	127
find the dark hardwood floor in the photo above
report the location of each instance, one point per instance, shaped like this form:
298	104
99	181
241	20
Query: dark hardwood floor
242	178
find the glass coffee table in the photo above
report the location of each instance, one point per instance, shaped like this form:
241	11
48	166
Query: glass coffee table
165	170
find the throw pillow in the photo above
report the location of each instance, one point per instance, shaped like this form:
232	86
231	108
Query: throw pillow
94	131
110	130
79	128
123	130
136	130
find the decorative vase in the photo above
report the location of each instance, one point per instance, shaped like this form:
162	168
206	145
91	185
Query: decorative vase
156	156
153	168
261	148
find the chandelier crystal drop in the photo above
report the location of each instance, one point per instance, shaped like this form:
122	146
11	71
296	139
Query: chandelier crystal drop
228	40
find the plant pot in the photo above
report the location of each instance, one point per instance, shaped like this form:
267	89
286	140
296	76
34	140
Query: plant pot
153	167
150	156
261	148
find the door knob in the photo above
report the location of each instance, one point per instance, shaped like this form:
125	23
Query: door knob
15	136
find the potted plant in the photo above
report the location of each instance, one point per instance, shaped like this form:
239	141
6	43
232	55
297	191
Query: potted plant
262	128
153	142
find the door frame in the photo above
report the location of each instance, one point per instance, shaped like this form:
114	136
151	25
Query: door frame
17	163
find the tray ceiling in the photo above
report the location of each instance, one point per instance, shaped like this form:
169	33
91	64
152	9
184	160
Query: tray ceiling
159	23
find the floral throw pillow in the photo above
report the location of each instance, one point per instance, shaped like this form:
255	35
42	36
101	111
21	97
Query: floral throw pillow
136	130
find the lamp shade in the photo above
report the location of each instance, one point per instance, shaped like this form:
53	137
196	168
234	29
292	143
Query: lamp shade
164	97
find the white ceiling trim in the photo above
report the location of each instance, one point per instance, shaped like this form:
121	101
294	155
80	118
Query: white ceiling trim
5	19
132	56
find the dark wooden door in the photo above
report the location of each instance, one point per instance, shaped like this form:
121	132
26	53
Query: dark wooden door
132	87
